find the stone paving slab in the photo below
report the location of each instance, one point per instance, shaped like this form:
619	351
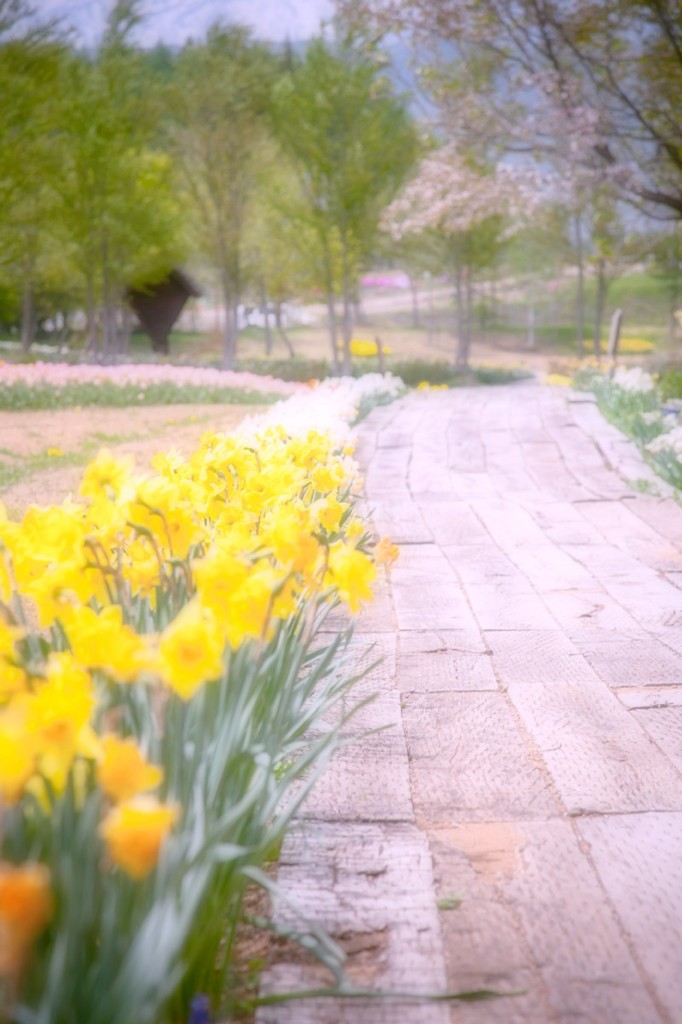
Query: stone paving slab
664	517
508	604
629	532
454	742
453	522
625	659
533	911
581	610
536	656
426	593
362	880
349	792
401	521
444	660
638	860
600	759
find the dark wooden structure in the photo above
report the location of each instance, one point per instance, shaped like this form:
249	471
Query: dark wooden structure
158	306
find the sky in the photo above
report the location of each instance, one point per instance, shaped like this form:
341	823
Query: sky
173	21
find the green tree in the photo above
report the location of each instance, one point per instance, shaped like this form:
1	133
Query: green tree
352	144
117	190
667	267
218	130
29	165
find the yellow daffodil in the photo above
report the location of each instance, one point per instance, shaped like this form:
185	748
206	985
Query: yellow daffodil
61	586
106	476
158	507
103	641
191	650
351	572
17	752
12	675
58	717
134	833
123	771
25	909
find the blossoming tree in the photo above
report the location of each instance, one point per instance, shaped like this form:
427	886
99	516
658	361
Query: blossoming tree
608	73
471	209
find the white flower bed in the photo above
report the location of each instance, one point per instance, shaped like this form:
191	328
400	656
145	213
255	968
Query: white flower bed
634	379
331	406
670	442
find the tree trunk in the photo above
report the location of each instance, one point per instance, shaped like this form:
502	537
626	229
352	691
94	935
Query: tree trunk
602	290
357	310
380	355
266	318
580	297
674	311
90	319
281	331
416	319
28	316
469	312
461	349
333	331
493	294
531	341
126	329
347	311
229	325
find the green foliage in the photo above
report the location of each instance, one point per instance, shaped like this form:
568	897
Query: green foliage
352	143
297	369
217	132
415	371
20	395
140	950
670	383
499	374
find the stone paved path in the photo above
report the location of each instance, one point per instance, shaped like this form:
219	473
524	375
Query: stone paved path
532	676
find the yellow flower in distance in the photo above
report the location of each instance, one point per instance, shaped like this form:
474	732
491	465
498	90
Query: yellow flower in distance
134	832
123	771
191	650
386	552
25	909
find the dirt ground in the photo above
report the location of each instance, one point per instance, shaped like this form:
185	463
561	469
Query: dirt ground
44	445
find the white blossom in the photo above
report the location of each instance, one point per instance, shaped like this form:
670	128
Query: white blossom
633	379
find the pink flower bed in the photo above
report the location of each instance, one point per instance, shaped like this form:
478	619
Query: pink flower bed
58	375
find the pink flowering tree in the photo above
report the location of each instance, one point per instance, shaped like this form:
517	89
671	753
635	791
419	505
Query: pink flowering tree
471	211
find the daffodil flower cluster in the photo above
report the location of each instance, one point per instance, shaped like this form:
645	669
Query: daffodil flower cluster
151	585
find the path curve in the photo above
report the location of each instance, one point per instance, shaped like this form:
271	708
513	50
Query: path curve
520	825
